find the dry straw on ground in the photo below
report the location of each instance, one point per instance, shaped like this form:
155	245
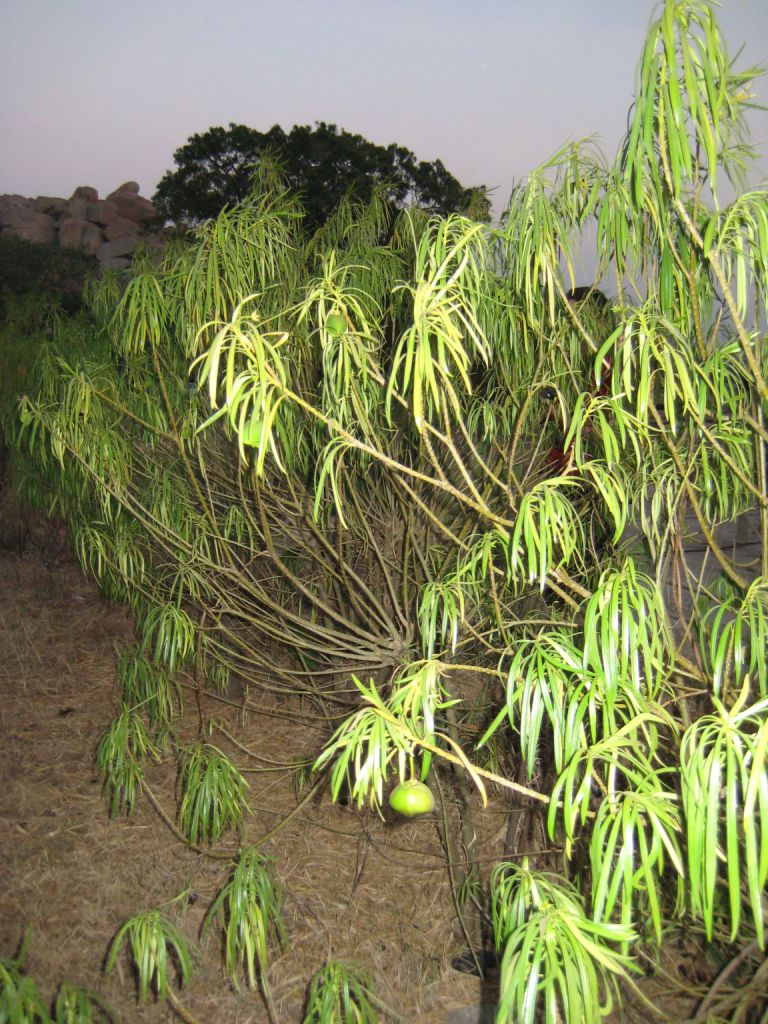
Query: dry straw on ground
356	887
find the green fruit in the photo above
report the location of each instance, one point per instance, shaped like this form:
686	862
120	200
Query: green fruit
252	432
335	324
412	798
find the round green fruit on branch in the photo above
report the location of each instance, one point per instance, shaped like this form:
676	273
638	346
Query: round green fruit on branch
335	324
252	433
412	798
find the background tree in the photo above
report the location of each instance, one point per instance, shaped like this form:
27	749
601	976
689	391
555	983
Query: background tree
322	164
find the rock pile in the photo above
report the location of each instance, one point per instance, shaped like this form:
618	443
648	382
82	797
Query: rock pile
108	229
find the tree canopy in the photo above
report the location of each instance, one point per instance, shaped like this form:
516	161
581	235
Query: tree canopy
323	164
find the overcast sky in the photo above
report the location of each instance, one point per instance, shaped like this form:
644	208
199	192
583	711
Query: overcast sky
97	92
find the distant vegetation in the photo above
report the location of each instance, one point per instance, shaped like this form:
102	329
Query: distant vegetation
54	274
37	284
321	164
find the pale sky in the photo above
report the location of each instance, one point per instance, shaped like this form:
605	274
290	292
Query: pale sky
97	92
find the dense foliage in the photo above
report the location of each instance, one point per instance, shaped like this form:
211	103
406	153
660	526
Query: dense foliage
323	165
37	283
45	271
399	469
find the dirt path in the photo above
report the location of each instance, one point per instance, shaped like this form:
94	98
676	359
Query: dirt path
355	888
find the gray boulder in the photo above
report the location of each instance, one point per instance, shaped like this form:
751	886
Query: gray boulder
14	202
93	238
120	227
26	223
117	247
128	188
103	212
50	204
86	192
71	232
134	207
78	208
130	205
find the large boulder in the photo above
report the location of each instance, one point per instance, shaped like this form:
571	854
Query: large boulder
131	205
103	212
117	247
13	201
78	208
93	238
71	232
136	208
128	188
120	227
25	222
50	204
86	192
116	263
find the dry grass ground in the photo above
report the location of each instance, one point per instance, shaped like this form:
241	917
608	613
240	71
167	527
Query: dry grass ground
356	887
